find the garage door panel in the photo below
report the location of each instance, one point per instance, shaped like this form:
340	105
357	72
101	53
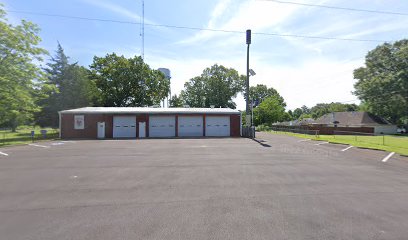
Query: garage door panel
217	126
162	126
124	126
190	126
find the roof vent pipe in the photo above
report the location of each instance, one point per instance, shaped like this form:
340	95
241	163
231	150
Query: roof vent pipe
212	106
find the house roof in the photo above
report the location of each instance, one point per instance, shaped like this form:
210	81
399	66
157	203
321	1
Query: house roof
150	110
351	119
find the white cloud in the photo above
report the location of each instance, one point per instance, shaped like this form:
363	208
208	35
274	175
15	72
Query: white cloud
254	15
218	11
118	9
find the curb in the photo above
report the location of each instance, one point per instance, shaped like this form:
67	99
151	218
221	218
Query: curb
372	149
344	144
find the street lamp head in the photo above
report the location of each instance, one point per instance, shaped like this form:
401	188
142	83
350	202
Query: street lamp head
252	72
248	36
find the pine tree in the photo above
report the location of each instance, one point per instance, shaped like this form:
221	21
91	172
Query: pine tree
73	89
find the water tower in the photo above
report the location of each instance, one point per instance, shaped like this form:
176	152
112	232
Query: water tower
166	73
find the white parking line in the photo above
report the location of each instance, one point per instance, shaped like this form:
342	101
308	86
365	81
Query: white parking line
305	140
388	157
57	143
347	148
321	143
36	145
4	154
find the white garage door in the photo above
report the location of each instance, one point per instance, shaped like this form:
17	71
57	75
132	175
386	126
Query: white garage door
190	126
124	126
162	126
217	126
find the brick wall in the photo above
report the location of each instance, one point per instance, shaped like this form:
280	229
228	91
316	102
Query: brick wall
90	126
235	128
330	130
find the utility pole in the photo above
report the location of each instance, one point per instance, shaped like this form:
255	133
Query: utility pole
248	109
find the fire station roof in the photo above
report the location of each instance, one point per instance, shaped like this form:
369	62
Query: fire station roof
149	110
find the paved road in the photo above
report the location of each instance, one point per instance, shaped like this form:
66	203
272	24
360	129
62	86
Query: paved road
276	188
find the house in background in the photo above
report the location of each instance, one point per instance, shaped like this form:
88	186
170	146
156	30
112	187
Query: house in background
356	119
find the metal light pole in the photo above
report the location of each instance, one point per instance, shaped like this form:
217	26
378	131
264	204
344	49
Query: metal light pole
248	109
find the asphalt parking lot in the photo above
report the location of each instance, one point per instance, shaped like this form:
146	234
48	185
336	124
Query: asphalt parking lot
277	187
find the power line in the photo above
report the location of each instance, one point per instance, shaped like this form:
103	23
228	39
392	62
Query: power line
196	28
339	8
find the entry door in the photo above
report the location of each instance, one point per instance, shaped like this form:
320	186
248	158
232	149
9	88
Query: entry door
101	130
124	126
162	126
190	126
142	129
217	126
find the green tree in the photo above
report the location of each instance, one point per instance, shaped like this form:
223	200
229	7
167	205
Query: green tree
20	76
321	109
128	82
57	66
290	114
297	113
216	86
72	89
271	110
305	109
305	115
382	84
260	92
176	101
77	90
194	93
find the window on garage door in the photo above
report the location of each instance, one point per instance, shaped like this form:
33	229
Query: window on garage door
162	126
124	126
217	126
190	126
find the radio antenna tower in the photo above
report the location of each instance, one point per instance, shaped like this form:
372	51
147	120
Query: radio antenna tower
142	26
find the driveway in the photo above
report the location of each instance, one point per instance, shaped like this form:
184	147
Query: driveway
230	188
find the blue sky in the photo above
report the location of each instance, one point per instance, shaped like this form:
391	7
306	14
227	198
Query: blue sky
304	71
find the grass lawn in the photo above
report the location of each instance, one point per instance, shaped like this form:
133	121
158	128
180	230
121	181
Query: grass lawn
23	135
398	144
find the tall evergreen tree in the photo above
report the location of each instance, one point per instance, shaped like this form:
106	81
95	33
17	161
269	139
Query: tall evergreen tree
55	71
73	88
57	66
